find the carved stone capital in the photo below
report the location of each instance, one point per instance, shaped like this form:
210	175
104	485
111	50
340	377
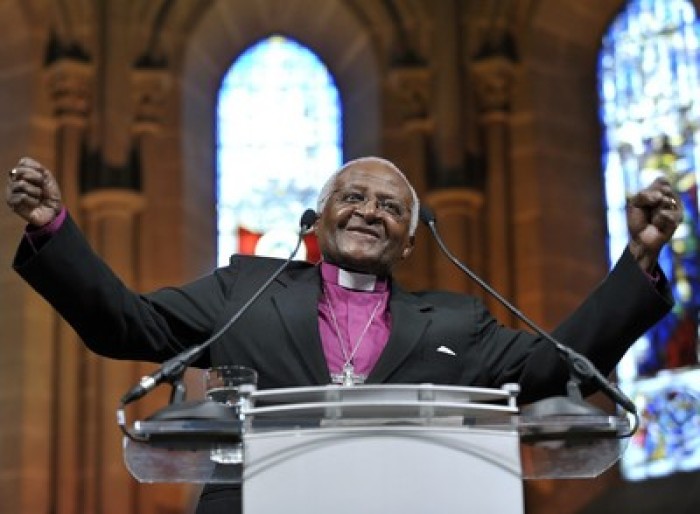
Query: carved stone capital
150	92
70	85
456	201
112	203
407	91
493	78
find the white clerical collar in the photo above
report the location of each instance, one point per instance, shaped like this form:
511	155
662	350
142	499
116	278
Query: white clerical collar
356	281
351	279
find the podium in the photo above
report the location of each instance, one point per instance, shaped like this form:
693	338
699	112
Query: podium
377	449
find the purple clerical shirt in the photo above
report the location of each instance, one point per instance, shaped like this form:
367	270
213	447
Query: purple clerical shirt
362	318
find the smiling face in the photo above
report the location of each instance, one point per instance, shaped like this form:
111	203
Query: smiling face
364	225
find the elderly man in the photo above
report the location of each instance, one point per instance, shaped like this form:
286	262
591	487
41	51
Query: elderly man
345	319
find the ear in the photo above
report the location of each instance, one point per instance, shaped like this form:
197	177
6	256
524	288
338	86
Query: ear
408	249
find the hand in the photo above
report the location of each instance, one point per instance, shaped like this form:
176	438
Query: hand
32	192
653	215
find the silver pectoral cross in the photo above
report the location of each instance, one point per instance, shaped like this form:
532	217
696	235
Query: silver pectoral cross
348	377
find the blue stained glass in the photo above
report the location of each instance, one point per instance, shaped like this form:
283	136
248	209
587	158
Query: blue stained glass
649	72
279	139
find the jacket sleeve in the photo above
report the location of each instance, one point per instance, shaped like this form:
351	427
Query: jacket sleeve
603	327
113	320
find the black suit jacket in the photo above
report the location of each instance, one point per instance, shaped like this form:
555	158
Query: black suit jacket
279	335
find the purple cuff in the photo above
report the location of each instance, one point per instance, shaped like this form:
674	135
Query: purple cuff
37	236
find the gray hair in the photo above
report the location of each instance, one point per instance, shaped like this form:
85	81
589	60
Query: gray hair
327	188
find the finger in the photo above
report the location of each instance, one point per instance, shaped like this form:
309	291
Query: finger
14	175
672	202
29	169
646	198
669	203
26	174
662	196
18	176
660	181
21	187
21	202
669	194
26	187
666	220
28	162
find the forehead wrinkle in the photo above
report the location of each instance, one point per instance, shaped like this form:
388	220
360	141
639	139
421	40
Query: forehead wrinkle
386	180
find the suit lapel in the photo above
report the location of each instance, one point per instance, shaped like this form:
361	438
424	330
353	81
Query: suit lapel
297	306
409	320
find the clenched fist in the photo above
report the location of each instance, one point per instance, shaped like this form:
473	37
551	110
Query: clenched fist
33	193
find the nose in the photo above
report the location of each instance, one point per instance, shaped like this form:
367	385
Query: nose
369	208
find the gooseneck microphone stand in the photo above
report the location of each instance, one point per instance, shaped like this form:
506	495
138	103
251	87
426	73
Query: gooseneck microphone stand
581	369
172	370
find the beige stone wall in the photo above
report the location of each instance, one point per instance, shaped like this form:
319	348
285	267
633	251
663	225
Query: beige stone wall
501	145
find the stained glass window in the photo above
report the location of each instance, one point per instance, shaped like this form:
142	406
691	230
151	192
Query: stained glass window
649	86
279	139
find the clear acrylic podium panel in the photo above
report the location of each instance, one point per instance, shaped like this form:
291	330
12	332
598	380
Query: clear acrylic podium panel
570	446
553	447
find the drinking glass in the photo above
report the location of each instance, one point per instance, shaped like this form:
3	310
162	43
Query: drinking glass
231	385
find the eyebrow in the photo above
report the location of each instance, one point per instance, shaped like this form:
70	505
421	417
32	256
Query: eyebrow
364	188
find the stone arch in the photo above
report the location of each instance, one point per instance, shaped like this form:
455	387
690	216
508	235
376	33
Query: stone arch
228	28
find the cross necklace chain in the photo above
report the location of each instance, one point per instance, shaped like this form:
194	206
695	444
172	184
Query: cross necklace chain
347	376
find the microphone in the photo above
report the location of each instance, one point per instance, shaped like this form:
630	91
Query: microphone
173	368
579	365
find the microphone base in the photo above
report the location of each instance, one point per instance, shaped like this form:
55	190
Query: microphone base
561	406
569	422
199	425
204	409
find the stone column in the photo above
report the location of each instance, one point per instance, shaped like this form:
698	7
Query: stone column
150	88
407	130
492	80
459	214
156	262
70	84
111	225
448	98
